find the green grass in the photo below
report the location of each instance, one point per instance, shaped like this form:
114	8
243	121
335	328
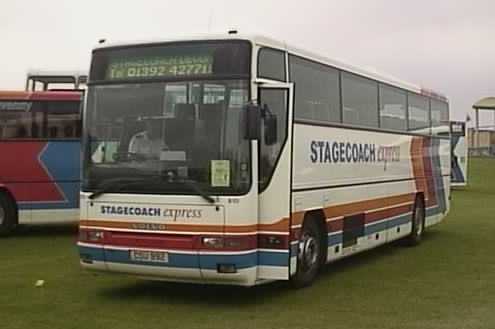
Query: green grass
446	282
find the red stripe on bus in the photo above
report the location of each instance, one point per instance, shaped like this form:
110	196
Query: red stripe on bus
194	242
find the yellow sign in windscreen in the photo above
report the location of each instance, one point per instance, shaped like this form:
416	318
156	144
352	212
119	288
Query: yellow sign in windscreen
220	173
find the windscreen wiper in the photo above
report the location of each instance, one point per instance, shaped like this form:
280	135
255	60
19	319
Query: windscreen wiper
114	185
194	186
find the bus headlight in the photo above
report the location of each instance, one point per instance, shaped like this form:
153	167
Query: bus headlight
90	235
212	242
95	236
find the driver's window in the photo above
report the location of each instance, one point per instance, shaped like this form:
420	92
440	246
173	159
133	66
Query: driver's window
276	101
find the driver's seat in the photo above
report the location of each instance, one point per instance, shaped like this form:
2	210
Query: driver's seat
130	128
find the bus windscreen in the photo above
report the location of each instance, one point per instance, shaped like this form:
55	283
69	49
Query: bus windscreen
171	61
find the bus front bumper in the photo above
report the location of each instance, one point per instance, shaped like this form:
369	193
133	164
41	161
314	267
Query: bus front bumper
180	266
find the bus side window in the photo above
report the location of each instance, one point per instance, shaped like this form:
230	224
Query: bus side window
53	132
359	100
317	91
19	120
393	108
69	131
419	114
271	64
439	117
62	120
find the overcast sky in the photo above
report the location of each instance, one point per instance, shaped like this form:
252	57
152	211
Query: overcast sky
446	45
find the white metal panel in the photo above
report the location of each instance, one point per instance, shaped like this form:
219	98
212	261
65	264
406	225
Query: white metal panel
313	167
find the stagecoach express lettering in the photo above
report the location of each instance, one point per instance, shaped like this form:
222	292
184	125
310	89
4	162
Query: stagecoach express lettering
333	152
167	213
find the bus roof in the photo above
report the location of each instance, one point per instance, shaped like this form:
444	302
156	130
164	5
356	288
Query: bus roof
63	76
273	43
40	96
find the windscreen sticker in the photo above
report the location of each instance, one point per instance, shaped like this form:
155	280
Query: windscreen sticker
220	173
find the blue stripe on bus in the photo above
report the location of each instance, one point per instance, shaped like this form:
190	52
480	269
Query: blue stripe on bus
208	262
335	239
62	161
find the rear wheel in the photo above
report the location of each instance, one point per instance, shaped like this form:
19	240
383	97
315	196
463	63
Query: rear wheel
418	223
8	220
310	254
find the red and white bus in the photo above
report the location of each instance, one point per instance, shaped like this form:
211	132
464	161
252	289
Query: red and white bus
242	160
40	163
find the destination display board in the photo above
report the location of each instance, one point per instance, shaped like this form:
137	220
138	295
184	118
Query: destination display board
168	61
164	66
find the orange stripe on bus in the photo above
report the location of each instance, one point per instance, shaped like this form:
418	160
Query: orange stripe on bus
280	226
14	95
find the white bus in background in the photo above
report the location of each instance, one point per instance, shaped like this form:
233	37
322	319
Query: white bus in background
460	154
255	161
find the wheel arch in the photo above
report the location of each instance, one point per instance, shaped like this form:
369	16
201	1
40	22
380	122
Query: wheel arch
5	191
420	195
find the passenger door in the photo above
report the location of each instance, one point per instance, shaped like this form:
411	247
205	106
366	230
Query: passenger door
274	183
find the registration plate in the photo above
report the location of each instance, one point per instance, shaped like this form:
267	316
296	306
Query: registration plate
149	256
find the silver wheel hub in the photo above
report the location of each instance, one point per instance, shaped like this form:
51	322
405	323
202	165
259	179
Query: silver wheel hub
419	223
2	215
308	251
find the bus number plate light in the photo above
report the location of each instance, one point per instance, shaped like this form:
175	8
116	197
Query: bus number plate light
226	268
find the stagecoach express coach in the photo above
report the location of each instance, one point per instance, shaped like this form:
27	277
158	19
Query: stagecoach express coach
256	161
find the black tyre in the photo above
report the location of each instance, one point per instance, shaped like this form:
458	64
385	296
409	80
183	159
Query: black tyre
418	223
310	256
8	218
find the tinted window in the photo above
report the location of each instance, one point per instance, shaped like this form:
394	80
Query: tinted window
62	120
316	89
393	104
419	114
439	113
276	99
271	64
360	100
19	120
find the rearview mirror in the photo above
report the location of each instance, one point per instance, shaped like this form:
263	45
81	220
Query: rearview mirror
252	122
271	133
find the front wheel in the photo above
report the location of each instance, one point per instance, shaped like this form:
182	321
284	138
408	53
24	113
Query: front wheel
8	220
310	255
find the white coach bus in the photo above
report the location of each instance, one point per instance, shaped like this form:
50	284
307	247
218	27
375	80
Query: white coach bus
241	160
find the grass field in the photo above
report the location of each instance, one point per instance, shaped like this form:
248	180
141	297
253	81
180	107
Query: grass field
446	282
